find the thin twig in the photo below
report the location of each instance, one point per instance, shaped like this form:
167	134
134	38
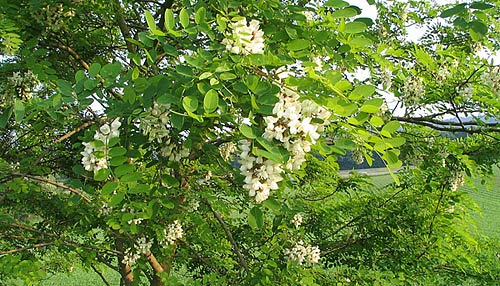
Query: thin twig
40	179
229	236
38	245
100	275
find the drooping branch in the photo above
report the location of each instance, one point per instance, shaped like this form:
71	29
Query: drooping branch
59	185
229	235
38	245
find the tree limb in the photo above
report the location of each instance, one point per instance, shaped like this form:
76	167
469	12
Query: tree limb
229	235
38	245
59	185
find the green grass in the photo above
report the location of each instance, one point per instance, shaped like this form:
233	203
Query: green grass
487	196
79	277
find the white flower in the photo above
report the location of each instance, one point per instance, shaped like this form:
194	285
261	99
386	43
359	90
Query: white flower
106	132
246	38
143	246
130	258
302	252
173	232
297	220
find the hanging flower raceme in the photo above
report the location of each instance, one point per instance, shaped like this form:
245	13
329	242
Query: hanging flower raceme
297	125
492	78
95	155
246	38
302	252
413	91
261	175
156	126
173	232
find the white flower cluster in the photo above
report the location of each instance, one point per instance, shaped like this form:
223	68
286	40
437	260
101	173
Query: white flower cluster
386	78
227	149
142	246
442	74
246	38
24	83
466	91
156	125
93	162
261	175
173	232
303	252
53	18
457	180
492	78
413	90
297	220
294	125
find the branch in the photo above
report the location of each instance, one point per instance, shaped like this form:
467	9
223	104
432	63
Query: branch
25	248
40	179
82	62
229	236
474	127
69	134
100	275
154	263
124	29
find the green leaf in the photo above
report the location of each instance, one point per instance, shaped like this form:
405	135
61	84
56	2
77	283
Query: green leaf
376	121
169	19
345	13
481	5
256	218
392	159
177	121
117	151
199	17
184	18
116	199
101	175
118	160
94	69
391	126
372	105
151	21
211	101
478	27
360	41
336	3
131	177
108	188
5	116
190	103
362	91
123	170
184	70
298	44
205	75
247	131
355	27
19	110
227	76
453	11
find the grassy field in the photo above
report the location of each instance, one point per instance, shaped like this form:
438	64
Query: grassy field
487	196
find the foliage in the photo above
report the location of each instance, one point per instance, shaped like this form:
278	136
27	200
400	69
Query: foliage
169	141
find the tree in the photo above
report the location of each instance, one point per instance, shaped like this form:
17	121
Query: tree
169	140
